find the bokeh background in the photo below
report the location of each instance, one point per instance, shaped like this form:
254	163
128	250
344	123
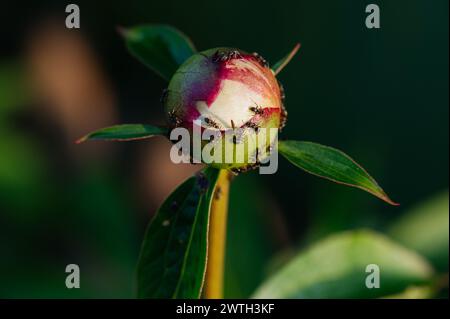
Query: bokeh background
379	95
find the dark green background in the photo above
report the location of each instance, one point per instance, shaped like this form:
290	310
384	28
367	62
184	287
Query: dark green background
379	95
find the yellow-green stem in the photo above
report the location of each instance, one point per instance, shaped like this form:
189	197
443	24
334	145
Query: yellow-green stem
217	238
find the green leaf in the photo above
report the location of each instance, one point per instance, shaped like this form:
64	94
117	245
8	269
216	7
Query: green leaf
124	132
425	228
14	93
332	164
414	292
172	263
160	47
336	268
277	67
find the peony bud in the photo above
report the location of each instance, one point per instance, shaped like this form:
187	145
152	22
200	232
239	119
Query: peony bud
226	89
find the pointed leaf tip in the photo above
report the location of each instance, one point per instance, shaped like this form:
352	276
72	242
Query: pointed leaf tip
277	67
331	164
81	139
124	132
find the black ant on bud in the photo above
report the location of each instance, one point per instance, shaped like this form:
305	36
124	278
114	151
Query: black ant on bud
238	170
220	56
260	60
283	116
211	123
252	125
202	182
174	120
164	95
282	94
256	109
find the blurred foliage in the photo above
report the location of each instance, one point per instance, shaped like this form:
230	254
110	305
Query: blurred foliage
414	292
48	221
21	173
12	91
425	228
336	268
21	164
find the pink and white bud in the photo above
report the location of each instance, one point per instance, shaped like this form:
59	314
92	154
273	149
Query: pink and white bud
225	89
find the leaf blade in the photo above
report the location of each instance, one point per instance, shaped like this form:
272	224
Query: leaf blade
336	267
176	269
124	132
162	48
425	229
331	164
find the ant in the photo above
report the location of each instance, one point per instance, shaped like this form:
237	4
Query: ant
202	182
174	119
256	109
260	60
220	56
211	123
282	94
252	125
164	95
